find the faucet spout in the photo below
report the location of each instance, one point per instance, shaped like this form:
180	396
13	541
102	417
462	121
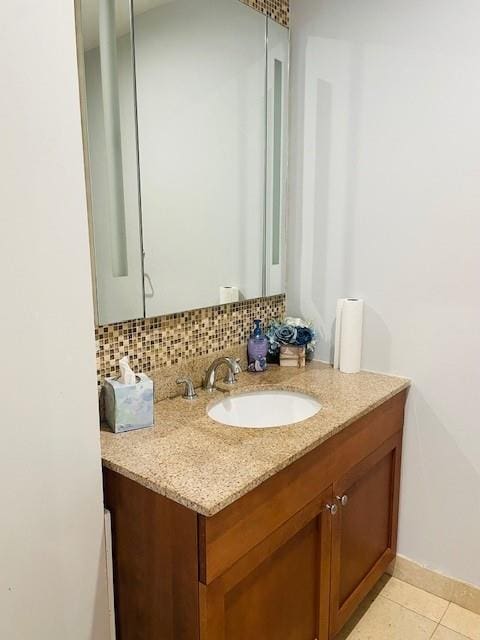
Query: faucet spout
211	374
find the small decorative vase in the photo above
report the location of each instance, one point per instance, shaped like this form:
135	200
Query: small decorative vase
291	356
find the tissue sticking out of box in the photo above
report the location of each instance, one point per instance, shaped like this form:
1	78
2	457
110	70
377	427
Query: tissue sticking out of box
127	376
129	406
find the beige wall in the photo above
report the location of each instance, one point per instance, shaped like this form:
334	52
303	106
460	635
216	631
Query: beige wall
52	583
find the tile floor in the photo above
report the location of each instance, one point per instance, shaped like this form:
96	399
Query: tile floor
397	611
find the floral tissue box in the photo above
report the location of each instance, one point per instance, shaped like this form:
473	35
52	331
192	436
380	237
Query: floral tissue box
129	406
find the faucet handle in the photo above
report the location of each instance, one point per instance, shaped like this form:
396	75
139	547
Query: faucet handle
237	365
231	376
189	393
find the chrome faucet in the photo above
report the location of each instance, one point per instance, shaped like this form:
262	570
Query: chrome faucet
211	374
189	391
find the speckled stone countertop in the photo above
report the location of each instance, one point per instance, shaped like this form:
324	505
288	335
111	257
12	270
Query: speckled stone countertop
206	466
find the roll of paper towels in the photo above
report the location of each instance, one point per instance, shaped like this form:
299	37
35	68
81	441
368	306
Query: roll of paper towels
348	335
229	294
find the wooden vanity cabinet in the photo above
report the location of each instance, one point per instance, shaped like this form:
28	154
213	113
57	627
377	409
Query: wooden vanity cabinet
290	560
279	590
364	530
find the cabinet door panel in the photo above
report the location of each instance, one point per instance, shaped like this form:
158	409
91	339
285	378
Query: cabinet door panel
278	599
278	590
364	530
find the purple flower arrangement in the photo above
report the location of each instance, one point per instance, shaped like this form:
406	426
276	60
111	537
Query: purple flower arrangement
290	331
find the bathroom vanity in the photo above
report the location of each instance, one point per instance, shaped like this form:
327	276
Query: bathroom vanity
268	534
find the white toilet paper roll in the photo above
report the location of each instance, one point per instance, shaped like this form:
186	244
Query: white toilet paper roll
338	333
229	294
351	333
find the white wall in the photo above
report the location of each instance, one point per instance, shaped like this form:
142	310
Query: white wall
51	578
385	204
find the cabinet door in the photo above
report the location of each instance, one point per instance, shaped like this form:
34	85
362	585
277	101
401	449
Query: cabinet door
280	589
364	530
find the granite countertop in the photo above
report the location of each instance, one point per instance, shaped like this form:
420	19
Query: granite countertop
206	466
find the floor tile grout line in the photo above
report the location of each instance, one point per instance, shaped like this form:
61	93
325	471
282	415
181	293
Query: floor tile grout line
420	589
434	631
446	611
438	624
408	609
413	610
415	586
459	633
450	628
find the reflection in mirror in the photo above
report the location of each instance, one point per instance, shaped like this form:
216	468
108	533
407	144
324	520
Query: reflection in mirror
201	101
277	133
111	126
186	128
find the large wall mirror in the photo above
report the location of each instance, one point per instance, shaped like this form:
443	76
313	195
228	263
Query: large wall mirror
185	127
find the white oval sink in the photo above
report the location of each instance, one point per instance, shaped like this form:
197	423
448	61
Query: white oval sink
262	409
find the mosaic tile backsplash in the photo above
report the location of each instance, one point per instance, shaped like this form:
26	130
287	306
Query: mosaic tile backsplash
279	10
170	341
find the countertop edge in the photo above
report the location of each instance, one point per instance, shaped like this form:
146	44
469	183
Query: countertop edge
209	511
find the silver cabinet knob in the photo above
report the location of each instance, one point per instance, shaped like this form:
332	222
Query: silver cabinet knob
332	508
343	500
